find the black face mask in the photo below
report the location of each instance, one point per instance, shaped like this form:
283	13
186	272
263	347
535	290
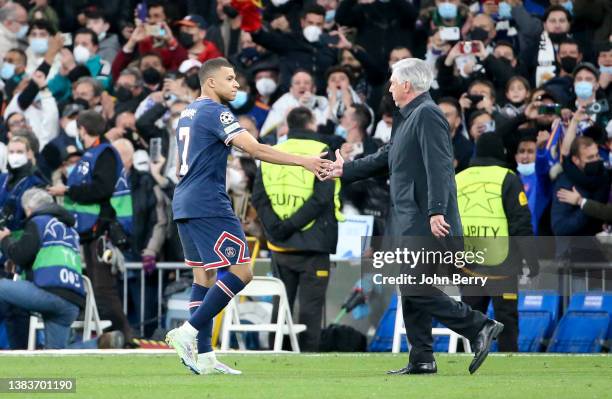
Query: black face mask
151	76
568	64
479	34
595	168
186	40
557	37
123	94
193	81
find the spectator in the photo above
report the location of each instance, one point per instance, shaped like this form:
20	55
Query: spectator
226	35
604	60
480	122
39	37
301	93
98	177
463	148
129	90
13	70
43	11
516	97
266	84
582	169
82	61
192	37
88	90
108	43
381	26
13	26
308	50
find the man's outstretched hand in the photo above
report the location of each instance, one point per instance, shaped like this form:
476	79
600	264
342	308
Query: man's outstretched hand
319	166
336	168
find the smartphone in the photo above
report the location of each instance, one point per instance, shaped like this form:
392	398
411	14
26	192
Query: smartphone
142	11
469	48
475	98
67	39
155	30
329	39
549	109
450	34
489	127
155	147
597	107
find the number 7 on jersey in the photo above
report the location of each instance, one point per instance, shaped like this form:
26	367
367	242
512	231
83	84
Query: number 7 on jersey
184	136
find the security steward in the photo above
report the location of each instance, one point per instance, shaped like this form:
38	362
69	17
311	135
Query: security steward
493	207
300	218
98	195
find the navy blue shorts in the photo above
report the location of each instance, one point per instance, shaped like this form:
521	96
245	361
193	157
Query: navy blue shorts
213	242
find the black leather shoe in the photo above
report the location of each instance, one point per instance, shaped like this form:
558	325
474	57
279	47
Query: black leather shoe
483	341
416	368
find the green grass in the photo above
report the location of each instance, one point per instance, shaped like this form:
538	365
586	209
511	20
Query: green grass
320	376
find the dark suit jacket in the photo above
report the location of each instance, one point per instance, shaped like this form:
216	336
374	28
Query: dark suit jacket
419	161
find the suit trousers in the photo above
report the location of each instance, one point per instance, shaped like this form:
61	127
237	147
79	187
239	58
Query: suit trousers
418	311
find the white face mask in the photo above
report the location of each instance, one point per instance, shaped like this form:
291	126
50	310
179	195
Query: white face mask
265	86
17	160
383	131
71	129
312	33
81	54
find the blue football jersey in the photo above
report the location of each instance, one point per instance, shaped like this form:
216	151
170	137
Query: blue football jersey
204	134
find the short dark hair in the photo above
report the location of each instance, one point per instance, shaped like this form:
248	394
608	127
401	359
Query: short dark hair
95	14
476	114
552	9
313	9
452	101
299	118
341	69
42	24
362	116
21	53
570	41
93	123
483	82
505	43
212	66
578	143
87	31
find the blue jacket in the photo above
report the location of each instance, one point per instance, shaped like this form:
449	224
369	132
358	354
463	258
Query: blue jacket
538	188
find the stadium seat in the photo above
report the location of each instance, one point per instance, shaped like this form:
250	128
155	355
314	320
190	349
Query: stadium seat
258	287
453	337
538	312
584	327
91	319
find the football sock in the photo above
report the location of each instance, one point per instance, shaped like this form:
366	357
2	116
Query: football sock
198	293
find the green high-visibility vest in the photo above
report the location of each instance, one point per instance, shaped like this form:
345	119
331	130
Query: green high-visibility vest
485	225
289	187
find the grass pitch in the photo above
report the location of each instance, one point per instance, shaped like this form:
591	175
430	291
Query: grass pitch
319	376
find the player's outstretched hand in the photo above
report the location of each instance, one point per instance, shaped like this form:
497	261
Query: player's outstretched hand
336	168
319	166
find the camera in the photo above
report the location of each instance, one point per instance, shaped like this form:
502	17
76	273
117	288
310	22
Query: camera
7	214
597	107
549	109
475	98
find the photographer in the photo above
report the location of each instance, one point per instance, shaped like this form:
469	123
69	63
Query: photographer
98	177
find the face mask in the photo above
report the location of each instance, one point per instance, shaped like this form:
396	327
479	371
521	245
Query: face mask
505	10
479	34
265	86
583	90
7	71
249	55
22	32
142	166
329	16
39	45
101	36
235	182
526	169
594	168
123	94
17	160
81	54
447	10
568	64
70	169
312	33
193	81
341	131
71	129
186	40
569	6
151	76
605	69
240	100
79	143
557	37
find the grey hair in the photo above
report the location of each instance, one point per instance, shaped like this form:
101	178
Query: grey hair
93	82
8	12
36	198
415	71
135	73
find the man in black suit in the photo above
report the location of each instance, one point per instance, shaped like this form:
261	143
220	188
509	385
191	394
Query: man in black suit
419	160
